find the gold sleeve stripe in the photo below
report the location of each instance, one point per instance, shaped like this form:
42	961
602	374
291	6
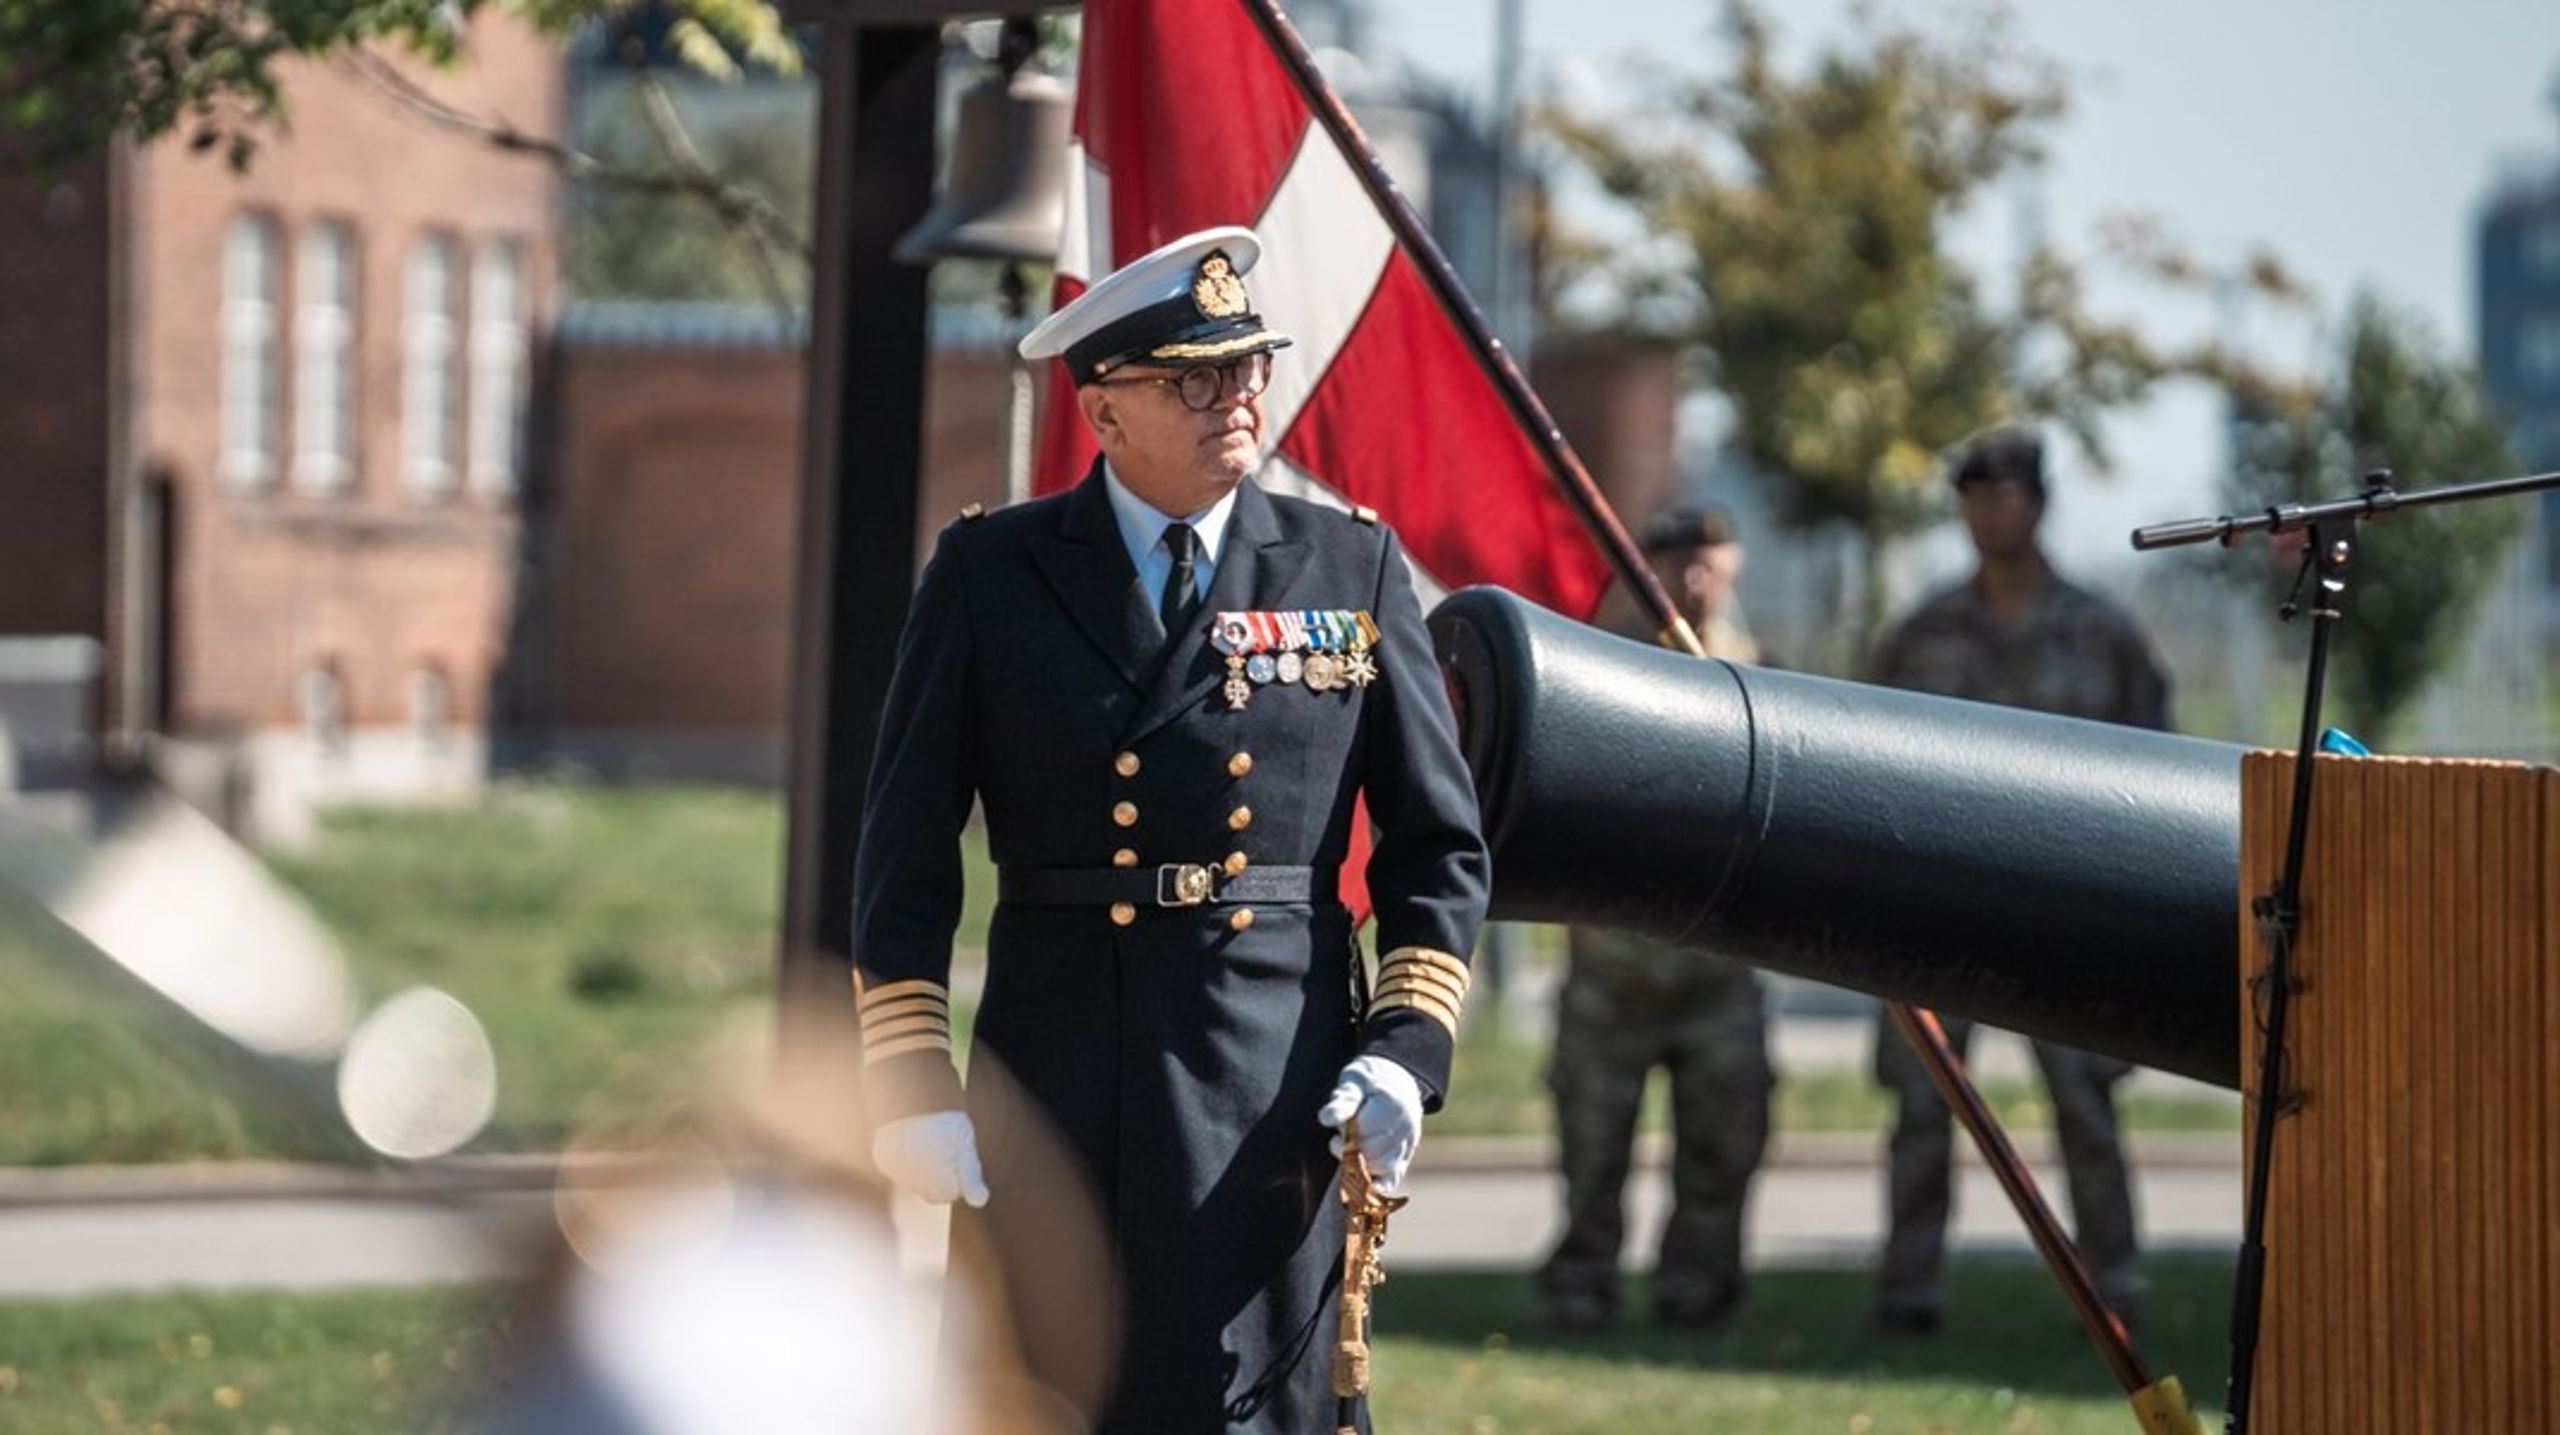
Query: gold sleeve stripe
905	1006
1429	1006
1441	1007
1425	959
1419	1001
910	998
871	996
876	1052
1429	986
906	1026
1420	977
1426	956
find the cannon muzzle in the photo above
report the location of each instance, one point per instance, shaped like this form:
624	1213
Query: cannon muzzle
2072	880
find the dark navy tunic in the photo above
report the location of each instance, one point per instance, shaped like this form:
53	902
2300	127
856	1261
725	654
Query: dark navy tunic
1181	1054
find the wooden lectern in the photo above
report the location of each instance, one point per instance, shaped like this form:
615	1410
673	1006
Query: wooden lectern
2413	1227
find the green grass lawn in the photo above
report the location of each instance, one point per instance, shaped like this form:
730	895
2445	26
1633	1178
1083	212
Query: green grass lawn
1457	1354
80	1082
1471	1353
603	934
256	1364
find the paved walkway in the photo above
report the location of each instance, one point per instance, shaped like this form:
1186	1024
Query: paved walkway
1476	1204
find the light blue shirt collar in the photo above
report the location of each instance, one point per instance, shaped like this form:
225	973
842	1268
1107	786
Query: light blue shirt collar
1142	527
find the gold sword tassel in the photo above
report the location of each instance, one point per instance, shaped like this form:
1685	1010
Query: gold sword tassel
1364	1237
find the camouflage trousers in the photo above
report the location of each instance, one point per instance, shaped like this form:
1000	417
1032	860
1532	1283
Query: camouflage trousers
2081	1086
1702	1020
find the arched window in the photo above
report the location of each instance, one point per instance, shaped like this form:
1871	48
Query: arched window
428	387
431	706
252	375
321	698
498	363
324	369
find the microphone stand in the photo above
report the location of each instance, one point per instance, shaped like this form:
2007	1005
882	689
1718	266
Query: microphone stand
2328	557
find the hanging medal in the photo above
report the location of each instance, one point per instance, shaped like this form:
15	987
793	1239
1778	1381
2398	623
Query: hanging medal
1360	668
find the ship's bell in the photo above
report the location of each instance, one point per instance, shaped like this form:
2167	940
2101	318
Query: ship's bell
1004	195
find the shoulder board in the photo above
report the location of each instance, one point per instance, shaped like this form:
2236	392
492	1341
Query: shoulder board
1366	515
970	512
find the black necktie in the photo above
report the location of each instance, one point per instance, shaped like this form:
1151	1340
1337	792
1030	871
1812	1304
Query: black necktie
1180	586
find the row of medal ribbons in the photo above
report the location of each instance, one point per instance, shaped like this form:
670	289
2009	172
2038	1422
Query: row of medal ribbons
1324	648
1310	630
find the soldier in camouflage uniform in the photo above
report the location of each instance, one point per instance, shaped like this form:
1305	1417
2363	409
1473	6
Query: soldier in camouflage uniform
1631	1004
2015	633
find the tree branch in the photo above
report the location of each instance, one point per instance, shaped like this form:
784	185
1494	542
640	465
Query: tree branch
765	227
756	226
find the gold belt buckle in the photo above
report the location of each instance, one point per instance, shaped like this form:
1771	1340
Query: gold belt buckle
1184	884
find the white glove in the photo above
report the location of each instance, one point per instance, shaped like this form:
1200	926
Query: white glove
933	1157
1385	1102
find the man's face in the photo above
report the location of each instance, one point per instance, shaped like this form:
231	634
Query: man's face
1700	579
1149	433
1711	575
2001	514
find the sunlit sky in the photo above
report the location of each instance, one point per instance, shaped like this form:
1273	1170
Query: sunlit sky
2357	140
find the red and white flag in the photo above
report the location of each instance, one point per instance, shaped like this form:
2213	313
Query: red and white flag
1185	118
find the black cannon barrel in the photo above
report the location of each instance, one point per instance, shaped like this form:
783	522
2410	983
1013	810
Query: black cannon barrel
2072	880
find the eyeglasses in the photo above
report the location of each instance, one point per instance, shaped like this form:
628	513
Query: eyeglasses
1201	388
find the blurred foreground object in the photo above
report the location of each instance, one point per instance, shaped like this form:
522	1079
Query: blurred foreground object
2069	880
751	1273
151	911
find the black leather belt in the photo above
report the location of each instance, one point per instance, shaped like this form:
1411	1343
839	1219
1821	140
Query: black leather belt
1174	884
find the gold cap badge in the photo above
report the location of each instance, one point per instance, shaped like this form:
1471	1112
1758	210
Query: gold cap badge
1217	289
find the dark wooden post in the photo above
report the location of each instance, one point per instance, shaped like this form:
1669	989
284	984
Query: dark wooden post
866	364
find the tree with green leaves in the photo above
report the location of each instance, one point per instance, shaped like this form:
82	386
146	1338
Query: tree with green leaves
2398	400
83	71
1811	210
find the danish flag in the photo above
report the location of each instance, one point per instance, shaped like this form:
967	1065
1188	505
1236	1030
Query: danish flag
1185	118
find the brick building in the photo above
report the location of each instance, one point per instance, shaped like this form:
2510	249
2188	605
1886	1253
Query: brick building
267	429
357	506
666	592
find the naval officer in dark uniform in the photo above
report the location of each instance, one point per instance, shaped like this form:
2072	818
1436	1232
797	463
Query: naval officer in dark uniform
1164	689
